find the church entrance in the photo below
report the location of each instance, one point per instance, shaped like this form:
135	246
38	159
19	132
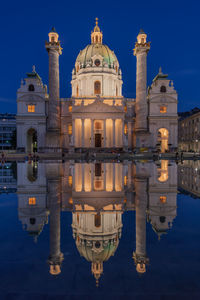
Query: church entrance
97	139
163	138
32	140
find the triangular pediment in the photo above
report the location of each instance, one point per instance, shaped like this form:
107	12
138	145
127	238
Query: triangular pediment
98	106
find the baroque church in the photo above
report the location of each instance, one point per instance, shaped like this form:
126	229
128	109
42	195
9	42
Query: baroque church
97	115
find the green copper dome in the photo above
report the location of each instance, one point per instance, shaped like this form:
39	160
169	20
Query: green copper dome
105	253
85	56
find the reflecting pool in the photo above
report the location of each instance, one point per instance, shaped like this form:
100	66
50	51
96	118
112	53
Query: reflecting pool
115	230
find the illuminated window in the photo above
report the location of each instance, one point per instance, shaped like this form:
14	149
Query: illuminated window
97	87
77	92
125	180
98	125
98	184
125	129
163	199
163	109
97	220
32	201
70	129
77	218
163	89
70	108
31	108
31	88
125	108
70	180
70	201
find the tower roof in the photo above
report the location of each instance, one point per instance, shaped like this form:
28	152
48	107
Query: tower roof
53	29
142	31
160	75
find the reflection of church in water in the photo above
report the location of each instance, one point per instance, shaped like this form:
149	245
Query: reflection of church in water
97	194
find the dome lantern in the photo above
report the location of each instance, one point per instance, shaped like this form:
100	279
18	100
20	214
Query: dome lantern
96	35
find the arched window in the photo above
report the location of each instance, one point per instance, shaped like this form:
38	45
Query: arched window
77	91
162	219
97	87
97	220
163	89
96	39
31	88
32	221
116	91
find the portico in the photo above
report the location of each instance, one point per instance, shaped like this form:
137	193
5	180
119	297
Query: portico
93	129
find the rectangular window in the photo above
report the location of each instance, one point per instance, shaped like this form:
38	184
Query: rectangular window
163	109
32	201
70	180
70	108
31	108
70	129
163	199
125	129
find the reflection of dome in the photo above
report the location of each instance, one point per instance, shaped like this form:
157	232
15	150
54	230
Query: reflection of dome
97	237
92	253
108	56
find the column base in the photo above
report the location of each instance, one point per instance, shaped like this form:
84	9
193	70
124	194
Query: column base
53	141
141	139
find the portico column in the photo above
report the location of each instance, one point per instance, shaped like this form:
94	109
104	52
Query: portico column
114	133
104	132
113	177
83	137
83	177
92	133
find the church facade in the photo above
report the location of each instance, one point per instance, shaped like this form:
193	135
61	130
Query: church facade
97	115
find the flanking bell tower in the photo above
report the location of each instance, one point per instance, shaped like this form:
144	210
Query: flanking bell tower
141	133
53	138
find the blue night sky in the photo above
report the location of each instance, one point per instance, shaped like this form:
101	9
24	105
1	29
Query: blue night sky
171	26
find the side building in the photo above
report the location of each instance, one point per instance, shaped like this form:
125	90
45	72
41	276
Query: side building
189	130
7	131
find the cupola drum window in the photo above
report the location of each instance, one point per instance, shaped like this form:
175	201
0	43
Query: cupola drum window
163	89
31	88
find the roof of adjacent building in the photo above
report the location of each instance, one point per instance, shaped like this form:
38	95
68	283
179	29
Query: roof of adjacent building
186	114
7	116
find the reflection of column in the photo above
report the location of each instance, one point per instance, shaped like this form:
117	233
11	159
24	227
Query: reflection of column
139	255
55	257
92	133
104	132
114	133
104	177
92	176
83	136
